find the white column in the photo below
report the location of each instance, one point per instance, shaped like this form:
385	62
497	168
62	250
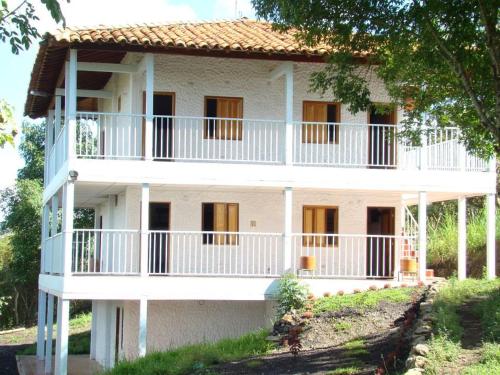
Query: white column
45	235
57	115
143	326
423	151
144	229
50	328
58	152
93	330
148	142
287	235
462	238
490	236
67	225
61	366
289	115
42	310
53	231
49	128
422	234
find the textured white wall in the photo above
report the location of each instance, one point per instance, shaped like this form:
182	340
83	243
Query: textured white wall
176	323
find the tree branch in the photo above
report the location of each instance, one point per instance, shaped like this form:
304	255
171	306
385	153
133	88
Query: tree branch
13	11
456	65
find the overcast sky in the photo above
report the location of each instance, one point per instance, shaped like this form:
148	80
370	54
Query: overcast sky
15	70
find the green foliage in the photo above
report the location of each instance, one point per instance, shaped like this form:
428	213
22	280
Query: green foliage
16	24
356	347
196	358
363	300
437	55
489	363
349	370
7	124
32	149
291	294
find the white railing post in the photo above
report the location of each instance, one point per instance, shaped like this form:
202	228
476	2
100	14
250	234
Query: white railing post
144	269
45	235
423	150
148	141
61	365
462	238
289	115
422	234
53	231
492	165
490	235
70	101
287	235
42	310
68	209
49	128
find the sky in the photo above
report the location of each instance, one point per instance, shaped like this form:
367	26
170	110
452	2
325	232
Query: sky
15	70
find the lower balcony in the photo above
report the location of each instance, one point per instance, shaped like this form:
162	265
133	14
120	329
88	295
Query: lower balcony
232	254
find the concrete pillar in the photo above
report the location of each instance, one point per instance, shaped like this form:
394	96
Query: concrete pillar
70	100
148	142
462	238
490	236
422	235
289	114
50	328
93	331
287	235
144	229
67	225
42	310
61	365
143	326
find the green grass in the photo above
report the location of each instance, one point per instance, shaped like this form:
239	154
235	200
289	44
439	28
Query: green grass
196	358
442	236
349	370
489	363
78	343
356	347
342	326
363	300
445	346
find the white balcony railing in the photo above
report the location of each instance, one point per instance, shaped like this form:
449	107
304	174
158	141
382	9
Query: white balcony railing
230	254
181	138
216	253
105	251
350	255
53	254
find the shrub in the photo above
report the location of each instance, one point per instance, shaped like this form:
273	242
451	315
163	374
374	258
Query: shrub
291	294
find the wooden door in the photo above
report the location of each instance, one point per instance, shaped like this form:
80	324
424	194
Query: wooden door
315	112
381	139
379	250
163	125
229	108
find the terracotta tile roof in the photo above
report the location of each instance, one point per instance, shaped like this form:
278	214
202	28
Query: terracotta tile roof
237	35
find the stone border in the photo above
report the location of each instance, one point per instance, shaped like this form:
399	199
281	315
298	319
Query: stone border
422	331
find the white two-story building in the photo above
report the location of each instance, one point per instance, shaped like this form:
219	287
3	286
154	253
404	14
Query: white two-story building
213	170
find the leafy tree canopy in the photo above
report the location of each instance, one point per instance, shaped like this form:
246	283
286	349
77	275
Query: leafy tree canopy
7	124
16	23
440	59
32	151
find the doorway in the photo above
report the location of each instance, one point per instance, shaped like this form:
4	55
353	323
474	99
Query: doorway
159	221
119	334
163	125
381	139
380	250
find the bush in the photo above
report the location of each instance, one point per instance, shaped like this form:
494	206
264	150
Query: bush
291	295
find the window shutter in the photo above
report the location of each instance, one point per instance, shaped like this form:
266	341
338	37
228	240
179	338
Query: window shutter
232	222
308	225
220	221
315	133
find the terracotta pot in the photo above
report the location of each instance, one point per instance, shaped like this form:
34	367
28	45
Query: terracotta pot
308	262
409	265
429	273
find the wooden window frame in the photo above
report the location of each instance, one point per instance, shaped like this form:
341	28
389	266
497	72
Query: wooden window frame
336	126
232	137
226	239
308	237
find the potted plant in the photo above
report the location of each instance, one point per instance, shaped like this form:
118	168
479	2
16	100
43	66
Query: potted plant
307	263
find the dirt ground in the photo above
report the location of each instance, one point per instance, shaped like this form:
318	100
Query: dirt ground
327	344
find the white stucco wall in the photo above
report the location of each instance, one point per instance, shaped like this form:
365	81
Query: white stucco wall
176	323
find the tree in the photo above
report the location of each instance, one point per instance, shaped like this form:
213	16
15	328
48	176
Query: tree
7	125
16	24
439	59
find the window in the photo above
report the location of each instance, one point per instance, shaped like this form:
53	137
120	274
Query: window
220	217
320	122
223	110
320	220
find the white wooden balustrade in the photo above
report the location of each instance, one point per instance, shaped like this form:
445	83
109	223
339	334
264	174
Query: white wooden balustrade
215	253
106	251
180	138
349	255
53	254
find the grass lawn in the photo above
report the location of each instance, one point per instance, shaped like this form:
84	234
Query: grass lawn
446	347
79	338
363	300
196	358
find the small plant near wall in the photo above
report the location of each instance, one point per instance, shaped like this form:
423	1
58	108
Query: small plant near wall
291	295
